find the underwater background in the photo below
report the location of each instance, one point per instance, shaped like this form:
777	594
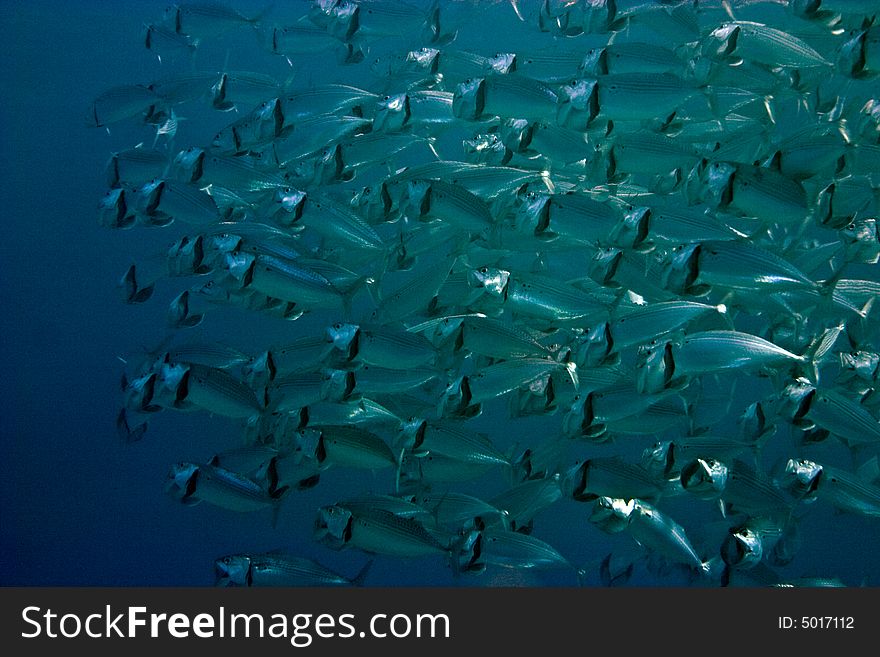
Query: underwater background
82	507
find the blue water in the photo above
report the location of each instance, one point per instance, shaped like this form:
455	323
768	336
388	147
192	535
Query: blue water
79	506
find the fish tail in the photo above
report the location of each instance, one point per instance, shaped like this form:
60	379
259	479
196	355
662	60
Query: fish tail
398	470
125	431
358	580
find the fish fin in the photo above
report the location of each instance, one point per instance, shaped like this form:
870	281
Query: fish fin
817	350
515	5
869	471
278	497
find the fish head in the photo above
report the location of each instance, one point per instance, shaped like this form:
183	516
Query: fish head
705	478
603	266
801	478
333	526
467	551
492	280
233	570
187	164
486	148
868	124
240	266
502	63
681	270
392	113
721	42
344	337
573	482
337	385
327	167
753	423
149	196
113	210
343	20
795	402
655	368
578	103
533	212
742	548
580	421
469	99
718	183
863	365
307	445
861	233
612	515
182	481
138	394
595	62
378	202
260	370
659	460
515	134
222	243
456	399
169	380
426	59
289	204
411	434
594	346
415	202
633	231
227	140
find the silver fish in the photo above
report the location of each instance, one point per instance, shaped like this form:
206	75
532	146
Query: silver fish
280	569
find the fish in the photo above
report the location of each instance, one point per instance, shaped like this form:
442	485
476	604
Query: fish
375	531
135	166
505	96
201	20
191	483
125	102
711	351
650	528
512	550
280	569
741	487
215	390
609	477
355	447
844	490
756	42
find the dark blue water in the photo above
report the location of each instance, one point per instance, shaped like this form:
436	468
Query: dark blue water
80	506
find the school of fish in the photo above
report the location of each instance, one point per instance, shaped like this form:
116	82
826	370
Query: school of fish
616	256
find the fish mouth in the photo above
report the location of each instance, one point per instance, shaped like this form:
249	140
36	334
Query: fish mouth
742	548
705	478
